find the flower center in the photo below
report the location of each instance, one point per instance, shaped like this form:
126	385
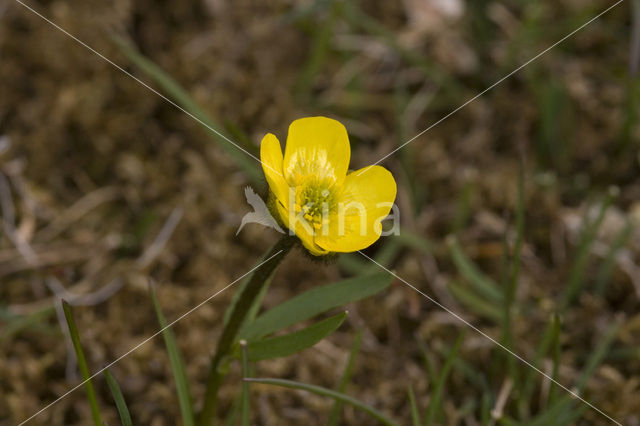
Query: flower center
316	200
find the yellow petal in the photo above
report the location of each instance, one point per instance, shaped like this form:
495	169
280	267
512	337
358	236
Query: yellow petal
271	159
304	233
364	200
317	146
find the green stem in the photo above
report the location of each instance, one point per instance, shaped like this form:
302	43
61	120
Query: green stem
256	282
245	385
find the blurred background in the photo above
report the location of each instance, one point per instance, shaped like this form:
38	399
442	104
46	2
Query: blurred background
519	212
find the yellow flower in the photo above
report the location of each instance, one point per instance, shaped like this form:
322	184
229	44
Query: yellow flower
329	209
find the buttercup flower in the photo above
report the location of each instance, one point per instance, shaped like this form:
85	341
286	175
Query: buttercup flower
329	209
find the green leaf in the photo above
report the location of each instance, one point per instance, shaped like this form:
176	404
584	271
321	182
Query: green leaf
314	302
564	412
553	390
177	365
475	302
121	404
436	399
511	285
580	265
597	356
346	376
484	285
246	402
281	346
544	345
82	364
259	276
607	267
415	411
318	390
178	94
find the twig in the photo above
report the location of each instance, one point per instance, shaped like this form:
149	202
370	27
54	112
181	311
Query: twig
78	209
503	396
161	240
8	222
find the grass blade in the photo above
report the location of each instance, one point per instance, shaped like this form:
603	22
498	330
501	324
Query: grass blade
580	264
512	283
553	390
470	272
177	365
318	390
435	404
82	364
415	411
346	376
606	269
597	356
314	302
320	46
246	403
528	384
121	404
281	346
186	101
476	303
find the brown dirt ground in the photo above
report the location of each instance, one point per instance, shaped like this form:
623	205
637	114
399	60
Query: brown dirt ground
97	164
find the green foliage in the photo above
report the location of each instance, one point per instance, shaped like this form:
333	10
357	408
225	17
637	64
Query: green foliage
485	286
435	405
281	346
318	390
246	403
118	398
314	302
415	411
580	264
189	105
344	380
177	364
82	364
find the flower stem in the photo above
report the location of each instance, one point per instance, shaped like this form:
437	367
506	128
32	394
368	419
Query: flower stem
251	290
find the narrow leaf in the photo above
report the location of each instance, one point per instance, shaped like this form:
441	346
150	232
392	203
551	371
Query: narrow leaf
580	265
82	364
318	390
177	365
121	404
598	355
246	403
470	272
281	346
415	411
186	101
436	399
314	302
475	302
553	391
607	267
346	376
